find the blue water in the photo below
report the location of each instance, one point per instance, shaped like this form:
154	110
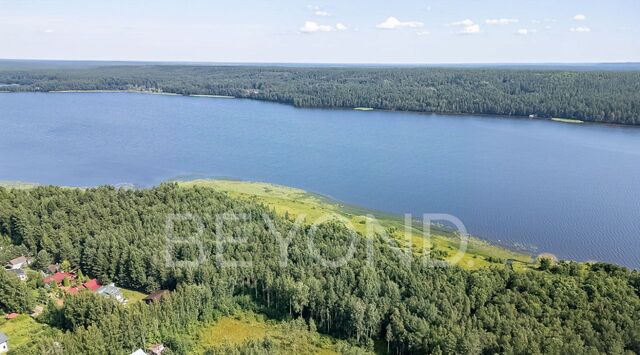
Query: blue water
572	190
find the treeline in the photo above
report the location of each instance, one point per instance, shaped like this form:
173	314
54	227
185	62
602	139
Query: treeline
596	96
121	235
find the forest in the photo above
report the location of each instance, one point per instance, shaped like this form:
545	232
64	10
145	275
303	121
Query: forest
607	96
119	235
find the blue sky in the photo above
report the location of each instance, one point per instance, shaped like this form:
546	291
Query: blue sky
324	31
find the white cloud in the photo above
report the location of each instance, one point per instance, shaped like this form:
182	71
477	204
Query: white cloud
423	33
312	27
468	27
322	13
393	23
465	22
313	7
341	27
470	30
526	31
580	29
48	31
501	21
580	17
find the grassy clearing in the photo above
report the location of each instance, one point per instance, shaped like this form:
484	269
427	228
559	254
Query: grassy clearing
132	91
288	337
132	296
297	202
23	333
214	96
566	120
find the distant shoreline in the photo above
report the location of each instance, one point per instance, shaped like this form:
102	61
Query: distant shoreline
362	109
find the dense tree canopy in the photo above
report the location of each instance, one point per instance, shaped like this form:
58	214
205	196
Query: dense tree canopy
597	96
120	235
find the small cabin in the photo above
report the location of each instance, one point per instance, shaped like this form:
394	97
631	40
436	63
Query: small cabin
156	349
17	263
52	269
156	296
4	343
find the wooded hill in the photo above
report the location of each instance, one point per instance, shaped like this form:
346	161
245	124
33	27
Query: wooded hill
594	96
120	236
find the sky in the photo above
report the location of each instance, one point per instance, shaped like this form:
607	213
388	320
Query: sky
323	31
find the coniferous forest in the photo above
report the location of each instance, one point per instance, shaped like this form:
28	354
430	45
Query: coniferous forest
119	235
589	95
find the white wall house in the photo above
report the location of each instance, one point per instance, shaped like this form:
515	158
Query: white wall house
4	343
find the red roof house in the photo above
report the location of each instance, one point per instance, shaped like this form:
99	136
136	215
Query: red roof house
92	285
12	315
58	277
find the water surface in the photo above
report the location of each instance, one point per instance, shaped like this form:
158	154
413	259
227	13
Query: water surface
572	190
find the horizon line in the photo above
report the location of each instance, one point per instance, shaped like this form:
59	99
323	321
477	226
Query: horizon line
312	63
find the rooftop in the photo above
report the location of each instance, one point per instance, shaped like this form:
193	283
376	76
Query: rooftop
156	295
112	291
92	285
12	315
18	260
58	277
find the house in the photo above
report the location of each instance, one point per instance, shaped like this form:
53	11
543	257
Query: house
156	349
156	296
20	274
92	285
52	269
17	263
12	316
112	291
139	352
4	343
37	310
59	277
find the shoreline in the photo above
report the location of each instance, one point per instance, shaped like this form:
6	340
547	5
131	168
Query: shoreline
361	109
347	209
479	252
129	92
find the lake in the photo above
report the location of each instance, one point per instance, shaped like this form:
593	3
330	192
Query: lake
568	189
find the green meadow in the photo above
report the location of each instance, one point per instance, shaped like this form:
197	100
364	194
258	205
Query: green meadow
24	333
285	337
312	207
